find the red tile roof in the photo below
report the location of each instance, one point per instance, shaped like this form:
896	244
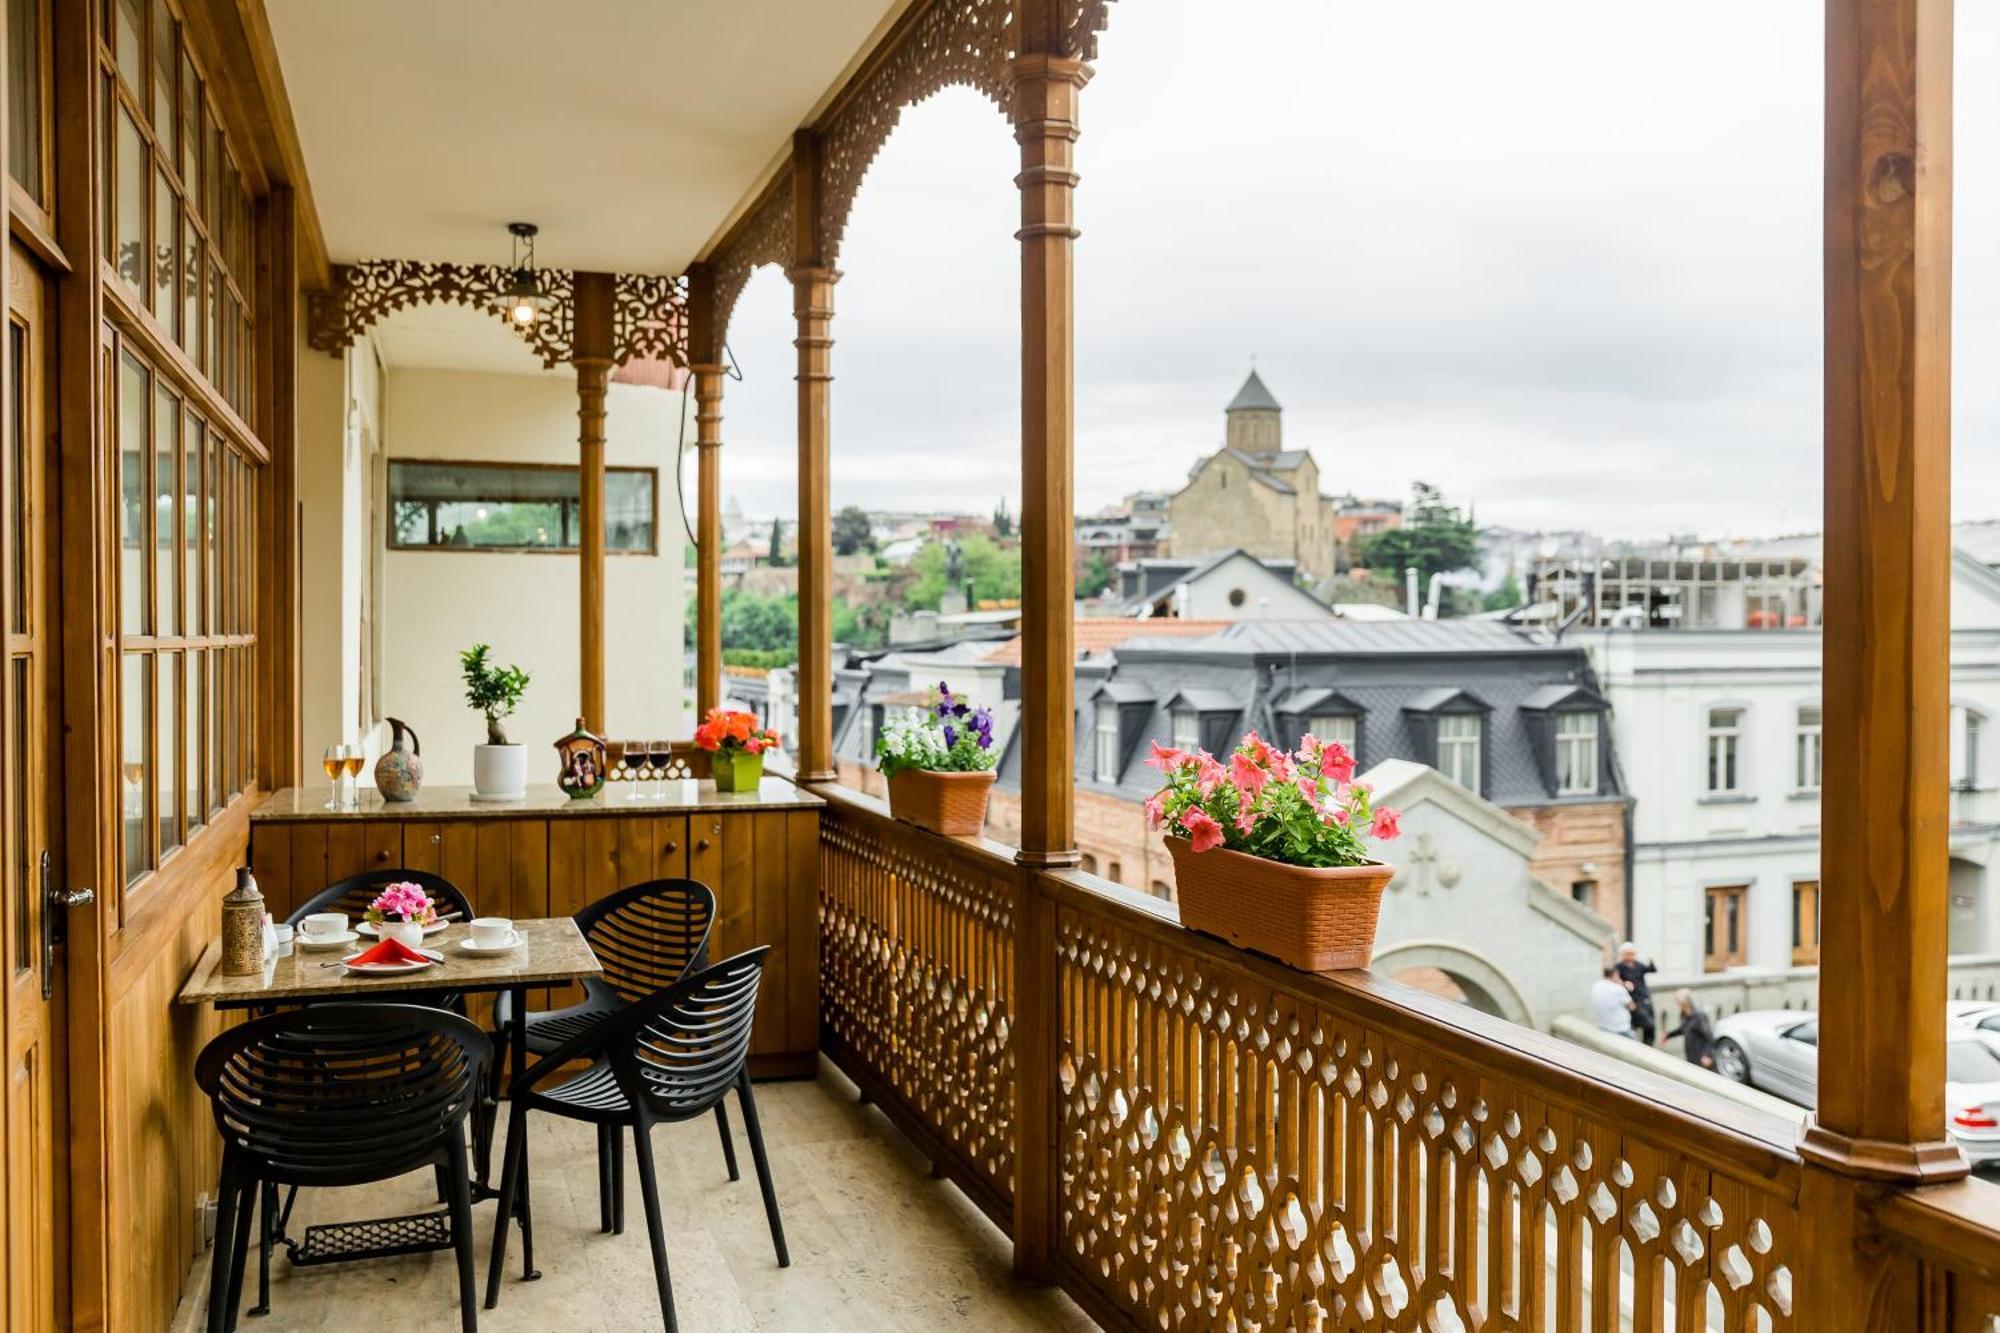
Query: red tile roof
1100	634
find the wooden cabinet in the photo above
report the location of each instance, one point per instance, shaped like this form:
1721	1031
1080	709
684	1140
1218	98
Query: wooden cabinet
763	865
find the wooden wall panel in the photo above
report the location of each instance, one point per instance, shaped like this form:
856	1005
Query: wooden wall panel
769	924
802	908
735	923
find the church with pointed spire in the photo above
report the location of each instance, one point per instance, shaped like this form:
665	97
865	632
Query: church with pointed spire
1255	495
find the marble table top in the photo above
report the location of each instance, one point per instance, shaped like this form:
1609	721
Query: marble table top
552	950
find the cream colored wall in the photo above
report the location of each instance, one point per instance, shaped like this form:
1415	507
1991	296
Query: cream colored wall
435	603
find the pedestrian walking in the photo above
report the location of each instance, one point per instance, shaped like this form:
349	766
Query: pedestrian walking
1695	1031
1632	970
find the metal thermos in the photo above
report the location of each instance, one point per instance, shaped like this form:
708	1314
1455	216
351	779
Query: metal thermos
243	927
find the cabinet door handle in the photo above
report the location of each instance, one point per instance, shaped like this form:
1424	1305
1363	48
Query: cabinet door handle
702	845
382	854
673	847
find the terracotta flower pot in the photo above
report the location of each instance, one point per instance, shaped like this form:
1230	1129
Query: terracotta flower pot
1312	919
953	804
738	772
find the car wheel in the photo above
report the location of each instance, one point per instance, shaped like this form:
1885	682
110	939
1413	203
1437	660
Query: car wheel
1730	1062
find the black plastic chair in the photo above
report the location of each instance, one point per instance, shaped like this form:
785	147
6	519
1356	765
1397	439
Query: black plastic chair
671	1056
353	894
647	938
340	1094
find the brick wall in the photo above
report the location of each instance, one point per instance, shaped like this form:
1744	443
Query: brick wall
1574	836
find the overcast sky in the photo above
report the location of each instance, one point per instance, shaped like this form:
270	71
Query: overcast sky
1561	258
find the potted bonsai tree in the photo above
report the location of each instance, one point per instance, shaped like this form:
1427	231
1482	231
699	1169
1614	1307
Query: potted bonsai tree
737	743
499	767
939	762
1270	850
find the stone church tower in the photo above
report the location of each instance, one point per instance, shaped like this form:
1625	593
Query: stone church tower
1255	495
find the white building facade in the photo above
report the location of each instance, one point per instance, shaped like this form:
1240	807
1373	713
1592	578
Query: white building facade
1719	735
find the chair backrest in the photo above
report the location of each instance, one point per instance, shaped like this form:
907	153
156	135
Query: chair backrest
353	894
649	936
679	1050
343	1093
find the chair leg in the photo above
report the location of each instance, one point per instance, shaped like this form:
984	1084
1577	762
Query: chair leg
267	1239
528	1270
604	1179
240	1260
228	1196
510	1183
728	1143
458	1177
649	1192
763	1167
617	1180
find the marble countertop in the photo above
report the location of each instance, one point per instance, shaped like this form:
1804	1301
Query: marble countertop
292	804
552	949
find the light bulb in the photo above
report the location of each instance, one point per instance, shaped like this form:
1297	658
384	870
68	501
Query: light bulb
522	312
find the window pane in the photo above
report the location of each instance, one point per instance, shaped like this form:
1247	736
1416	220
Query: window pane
26	880
15	476
209	361
193	682
194	615
166	258
24	95
478	506
210	552
190	127
165	51
128	236
135	723
167	750
166	510
217	706
135	393
128	22
190	322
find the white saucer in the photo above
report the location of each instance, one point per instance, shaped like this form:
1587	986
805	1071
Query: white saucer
485	951
321	943
431	958
368	928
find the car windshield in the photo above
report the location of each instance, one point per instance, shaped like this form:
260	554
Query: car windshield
1971	1061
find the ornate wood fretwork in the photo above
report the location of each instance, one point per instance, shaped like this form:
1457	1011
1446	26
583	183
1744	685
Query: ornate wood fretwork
650	312
967	43
764	236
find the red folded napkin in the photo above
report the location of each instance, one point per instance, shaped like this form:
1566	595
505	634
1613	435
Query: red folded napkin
389	951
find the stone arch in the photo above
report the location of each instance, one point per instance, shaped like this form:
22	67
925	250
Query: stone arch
1485	983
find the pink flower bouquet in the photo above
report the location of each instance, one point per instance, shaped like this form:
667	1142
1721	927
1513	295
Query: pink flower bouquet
1302	809
402	901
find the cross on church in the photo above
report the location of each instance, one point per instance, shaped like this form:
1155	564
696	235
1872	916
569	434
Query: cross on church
1424	867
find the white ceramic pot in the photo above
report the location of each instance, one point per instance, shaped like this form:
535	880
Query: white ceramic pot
499	772
410	934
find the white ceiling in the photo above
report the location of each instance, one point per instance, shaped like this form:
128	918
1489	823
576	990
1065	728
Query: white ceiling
627	129
457	337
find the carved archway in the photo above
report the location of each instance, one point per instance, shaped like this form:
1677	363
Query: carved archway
649	313
1478	975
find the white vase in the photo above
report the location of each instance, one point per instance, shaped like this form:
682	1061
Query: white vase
410	934
499	772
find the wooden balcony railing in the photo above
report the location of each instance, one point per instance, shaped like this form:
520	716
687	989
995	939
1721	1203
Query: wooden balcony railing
1237	1145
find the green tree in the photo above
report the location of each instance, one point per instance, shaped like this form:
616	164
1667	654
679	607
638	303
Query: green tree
995	573
1436	539
852	531
1095	576
1505	597
759	621
777	555
1003	521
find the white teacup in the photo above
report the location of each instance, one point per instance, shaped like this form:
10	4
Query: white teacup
324	925
492	932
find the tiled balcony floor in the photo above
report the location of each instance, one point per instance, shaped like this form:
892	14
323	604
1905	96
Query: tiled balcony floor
877	1245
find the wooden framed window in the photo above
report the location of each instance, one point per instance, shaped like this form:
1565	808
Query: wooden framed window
179	236
1726	928
453	506
187	510
28	122
1107	744
1805	921
1187	730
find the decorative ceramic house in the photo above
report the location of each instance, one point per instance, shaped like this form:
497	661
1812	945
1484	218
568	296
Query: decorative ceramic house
582	773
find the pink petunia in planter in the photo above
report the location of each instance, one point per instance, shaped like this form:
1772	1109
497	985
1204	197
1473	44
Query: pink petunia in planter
1271	849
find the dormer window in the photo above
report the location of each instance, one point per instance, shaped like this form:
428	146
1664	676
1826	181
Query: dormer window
1322	712
1204	720
1107	744
1460	738
1566	730
1187	729
1120	715
1449	727
1576	754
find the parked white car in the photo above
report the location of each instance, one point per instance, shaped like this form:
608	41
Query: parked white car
1777	1050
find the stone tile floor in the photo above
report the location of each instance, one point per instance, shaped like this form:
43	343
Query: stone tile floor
878	1246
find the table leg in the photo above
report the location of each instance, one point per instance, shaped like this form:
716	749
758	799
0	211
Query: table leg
517	1041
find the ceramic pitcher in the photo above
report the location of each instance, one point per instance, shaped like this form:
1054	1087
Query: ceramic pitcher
400	770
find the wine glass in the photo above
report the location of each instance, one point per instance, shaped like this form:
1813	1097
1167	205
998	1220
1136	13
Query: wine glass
354	761
334	761
614	761
661	753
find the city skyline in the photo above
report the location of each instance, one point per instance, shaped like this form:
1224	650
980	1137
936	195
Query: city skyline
1492	274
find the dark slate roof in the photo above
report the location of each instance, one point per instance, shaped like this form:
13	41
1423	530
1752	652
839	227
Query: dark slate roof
1273	672
1201	701
1260	471
1563	696
1253	397
1285	460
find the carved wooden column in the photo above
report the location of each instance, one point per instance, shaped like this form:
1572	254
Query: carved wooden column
1885	812
705	350
812	308
592	359
708	537
1045	103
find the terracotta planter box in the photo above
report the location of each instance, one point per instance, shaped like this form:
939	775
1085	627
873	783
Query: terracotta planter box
1314	920
953	804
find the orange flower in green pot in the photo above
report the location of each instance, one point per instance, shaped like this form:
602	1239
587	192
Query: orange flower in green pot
737	743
